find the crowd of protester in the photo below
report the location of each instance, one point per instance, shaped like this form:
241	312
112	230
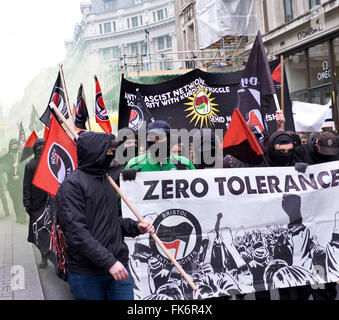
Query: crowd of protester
89	210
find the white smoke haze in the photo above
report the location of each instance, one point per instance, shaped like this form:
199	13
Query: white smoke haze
32	37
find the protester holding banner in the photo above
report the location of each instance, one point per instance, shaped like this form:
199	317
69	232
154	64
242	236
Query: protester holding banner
35	201
158	156
323	149
88	216
9	163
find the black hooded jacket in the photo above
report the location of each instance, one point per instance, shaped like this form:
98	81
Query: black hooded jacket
309	154
88	213
271	154
33	197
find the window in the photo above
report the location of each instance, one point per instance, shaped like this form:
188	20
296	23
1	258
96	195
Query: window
134	48
320	73
288	10
168	42
161	43
154	16
114	26
143	48
100	28
134	22
296	76
108	5
160	14
107	54
140	20
314	3
107	27
128	25
336	60
116	52
137	2
166	14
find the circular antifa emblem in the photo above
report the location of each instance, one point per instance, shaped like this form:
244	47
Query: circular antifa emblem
136	118
101	111
58	100
60	163
202	104
180	232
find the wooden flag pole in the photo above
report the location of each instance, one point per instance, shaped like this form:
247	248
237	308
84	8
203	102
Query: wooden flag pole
282	84
83	94
129	204
66	94
154	236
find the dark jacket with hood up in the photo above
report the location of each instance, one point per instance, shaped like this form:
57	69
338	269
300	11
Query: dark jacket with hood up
309	154
88	213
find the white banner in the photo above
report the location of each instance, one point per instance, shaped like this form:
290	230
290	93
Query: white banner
235	230
309	117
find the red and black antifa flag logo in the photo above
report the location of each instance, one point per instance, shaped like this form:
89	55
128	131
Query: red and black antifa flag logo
139	113
81	112
180	232
58	98
101	111
60	162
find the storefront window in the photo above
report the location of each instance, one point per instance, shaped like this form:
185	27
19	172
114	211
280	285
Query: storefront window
295	66
320	72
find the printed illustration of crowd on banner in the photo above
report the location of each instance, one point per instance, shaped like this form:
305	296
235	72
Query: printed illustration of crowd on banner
268	228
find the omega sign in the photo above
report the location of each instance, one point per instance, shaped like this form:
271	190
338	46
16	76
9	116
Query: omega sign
326	73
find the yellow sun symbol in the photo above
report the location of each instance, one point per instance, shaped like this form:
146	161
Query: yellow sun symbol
201	108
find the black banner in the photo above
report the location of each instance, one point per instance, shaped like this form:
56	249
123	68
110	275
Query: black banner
197	99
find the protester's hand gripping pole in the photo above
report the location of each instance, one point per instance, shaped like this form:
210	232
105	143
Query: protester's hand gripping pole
129	204
154	236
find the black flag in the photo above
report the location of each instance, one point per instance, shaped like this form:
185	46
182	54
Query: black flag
139	113
256	89
81	112
22	137
58	97
34	123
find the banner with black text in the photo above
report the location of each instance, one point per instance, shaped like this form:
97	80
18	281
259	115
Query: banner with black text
235	231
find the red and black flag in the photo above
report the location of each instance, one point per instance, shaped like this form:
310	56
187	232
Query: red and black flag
256	91
139	113
35	123
101	116
28	148
58	159
22	137
276	75
240	142
81	112
58	98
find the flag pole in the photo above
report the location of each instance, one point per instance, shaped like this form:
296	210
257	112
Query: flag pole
83	94
129	204
282	84
66	94
154	236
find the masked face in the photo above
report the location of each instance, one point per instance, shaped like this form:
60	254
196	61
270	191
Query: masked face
14	148
38	152
283	154
158	147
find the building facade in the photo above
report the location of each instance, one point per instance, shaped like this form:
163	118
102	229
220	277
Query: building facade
305	32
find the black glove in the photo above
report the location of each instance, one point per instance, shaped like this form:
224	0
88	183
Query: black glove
129	174
301	166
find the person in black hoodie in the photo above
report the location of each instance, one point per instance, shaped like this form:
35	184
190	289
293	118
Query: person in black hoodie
14	171
35	201
88	215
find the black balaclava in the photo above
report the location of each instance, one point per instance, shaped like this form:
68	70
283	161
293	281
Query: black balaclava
37	152
11	143
277	158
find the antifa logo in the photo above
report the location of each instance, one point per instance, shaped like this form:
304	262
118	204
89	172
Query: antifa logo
136	118
180	232
60	162
78	111
101	112
202	103
59	101
255	119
